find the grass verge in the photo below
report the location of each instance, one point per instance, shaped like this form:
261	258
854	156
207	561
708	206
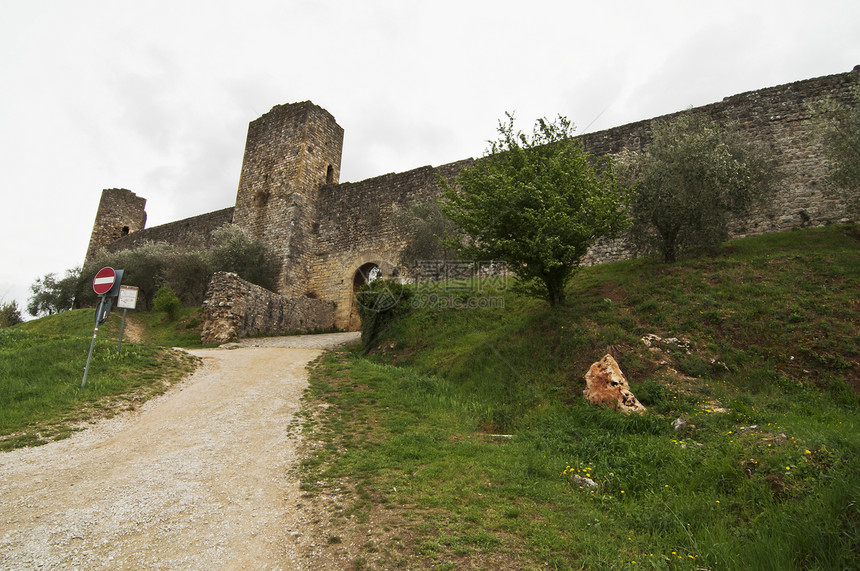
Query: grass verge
42	364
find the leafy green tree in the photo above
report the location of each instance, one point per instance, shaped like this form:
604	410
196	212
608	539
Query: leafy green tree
166	301
537	202
10	314
693	177
236	251
187	273
52	295
144	267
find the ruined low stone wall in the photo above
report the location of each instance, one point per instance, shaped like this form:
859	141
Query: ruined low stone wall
235	308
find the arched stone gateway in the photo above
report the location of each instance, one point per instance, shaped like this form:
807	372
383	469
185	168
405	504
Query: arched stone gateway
326	231
366	272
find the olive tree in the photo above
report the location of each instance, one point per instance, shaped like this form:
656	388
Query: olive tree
237	251
693	177
842	146
144	267
52	295
537	202
425	226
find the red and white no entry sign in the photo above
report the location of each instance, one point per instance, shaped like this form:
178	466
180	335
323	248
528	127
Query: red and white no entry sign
104	280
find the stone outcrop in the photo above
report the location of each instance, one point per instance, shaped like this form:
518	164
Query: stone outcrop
236	308
606	384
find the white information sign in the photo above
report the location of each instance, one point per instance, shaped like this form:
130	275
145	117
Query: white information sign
127	298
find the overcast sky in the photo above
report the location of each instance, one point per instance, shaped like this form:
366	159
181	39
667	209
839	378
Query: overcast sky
156	96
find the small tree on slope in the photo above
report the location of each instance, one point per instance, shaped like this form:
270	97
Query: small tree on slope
538	203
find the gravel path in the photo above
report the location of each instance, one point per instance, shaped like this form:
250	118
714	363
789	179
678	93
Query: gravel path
197	478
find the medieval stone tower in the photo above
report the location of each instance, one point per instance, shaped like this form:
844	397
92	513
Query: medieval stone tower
290	153
120	213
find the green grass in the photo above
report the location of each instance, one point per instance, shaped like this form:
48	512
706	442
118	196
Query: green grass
184	331
465	432
42	364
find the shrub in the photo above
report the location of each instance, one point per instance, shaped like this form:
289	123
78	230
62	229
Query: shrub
166	301
187	273
10	314
236	251
380	303
144	267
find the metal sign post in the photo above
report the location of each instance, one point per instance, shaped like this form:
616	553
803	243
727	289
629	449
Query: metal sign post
121	331
127	299
103	284
93	342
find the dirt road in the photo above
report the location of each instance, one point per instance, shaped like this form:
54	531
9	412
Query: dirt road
198	478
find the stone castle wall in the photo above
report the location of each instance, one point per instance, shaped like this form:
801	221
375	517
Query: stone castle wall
356	225
235	308
324	232
781	118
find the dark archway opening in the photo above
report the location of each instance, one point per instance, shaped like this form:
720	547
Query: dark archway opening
365	274
329	175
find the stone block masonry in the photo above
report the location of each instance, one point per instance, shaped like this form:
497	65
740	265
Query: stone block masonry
192	233
120	213
290	153
782	118
356	225
235	308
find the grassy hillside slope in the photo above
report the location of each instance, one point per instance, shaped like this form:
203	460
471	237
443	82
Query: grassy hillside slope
42	364
462	440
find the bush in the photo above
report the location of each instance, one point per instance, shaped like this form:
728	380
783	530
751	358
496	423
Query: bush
380	303
188	273
10	314
166	301
155	264
144	267
236	251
